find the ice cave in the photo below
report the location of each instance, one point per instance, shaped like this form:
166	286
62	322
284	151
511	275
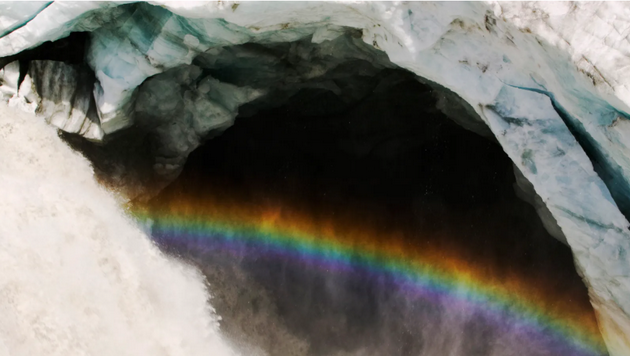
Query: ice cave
314	178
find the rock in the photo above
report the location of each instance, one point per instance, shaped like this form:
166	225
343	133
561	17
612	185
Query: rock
181	107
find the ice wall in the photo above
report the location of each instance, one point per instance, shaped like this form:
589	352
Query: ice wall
549	79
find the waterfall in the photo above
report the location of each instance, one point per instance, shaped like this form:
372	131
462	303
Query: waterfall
77	277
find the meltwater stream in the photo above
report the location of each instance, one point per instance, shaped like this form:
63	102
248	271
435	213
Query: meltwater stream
76	276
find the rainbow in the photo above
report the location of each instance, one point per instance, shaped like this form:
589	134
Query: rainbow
429	273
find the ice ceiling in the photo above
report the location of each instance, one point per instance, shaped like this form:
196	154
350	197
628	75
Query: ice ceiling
547	81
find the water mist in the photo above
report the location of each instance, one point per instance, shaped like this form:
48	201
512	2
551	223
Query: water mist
78	277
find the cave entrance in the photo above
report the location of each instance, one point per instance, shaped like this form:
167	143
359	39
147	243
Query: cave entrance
388	172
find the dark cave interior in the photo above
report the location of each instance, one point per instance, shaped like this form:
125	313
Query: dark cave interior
389	162
381	156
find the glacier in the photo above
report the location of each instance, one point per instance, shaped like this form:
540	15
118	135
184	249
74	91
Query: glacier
549	81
